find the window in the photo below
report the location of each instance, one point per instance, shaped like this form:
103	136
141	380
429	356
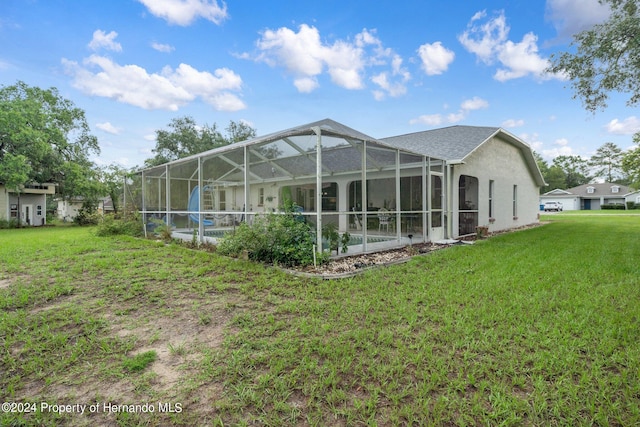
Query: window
615	189
590	190
261	196
39	210
222	198
515	202
491	184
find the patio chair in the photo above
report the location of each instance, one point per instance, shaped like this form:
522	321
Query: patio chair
384	220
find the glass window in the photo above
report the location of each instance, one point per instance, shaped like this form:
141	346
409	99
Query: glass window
491	184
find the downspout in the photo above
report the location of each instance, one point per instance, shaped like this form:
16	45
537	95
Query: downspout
316	130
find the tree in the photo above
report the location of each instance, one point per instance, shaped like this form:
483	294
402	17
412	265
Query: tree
185	138
14	173
556	178
606	58
112	178
631	166
606	162
575	168
45	133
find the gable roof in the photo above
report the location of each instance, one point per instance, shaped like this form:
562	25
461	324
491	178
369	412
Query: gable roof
600	189
456	143
450	143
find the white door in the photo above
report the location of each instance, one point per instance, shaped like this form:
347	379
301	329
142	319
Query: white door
437	216
27	214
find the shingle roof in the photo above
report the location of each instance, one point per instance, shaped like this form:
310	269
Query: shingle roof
600	189
450	143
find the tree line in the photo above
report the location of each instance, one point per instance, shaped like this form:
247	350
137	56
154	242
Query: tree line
609	164
45	138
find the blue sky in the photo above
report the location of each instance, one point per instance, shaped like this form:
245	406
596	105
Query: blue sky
384	68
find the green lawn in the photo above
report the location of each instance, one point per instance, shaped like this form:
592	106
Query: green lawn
538	327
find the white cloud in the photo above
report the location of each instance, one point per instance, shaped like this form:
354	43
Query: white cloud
485	40
628	126
533	140
306	84
466	106
107	41
521	59
184	12
569	17
428	119
168	90
435	58
489	42
474	103
563	142
108	127
304	55
161	47
512	123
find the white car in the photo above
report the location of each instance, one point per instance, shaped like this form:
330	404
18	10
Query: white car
552	206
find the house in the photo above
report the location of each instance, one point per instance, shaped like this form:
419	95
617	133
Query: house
591	196
68	209
29	207
493	174
420	187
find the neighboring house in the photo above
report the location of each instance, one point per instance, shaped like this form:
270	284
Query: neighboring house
29	206
68	209
591	196
425	186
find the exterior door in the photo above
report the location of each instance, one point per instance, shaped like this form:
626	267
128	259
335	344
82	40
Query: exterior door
27	214
437	220
587	204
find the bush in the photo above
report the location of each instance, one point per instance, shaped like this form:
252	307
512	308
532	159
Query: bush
278	238
87	217
12	223
613	206
129	225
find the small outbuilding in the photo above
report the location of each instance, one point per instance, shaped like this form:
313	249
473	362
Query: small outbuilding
29	206
414	188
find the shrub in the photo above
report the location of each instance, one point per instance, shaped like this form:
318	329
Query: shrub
613	206
87	217
12	223
129	225
279	238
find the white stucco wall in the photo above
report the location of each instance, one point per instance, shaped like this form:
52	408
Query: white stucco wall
503	163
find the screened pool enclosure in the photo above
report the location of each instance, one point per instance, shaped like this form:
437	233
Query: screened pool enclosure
383	196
